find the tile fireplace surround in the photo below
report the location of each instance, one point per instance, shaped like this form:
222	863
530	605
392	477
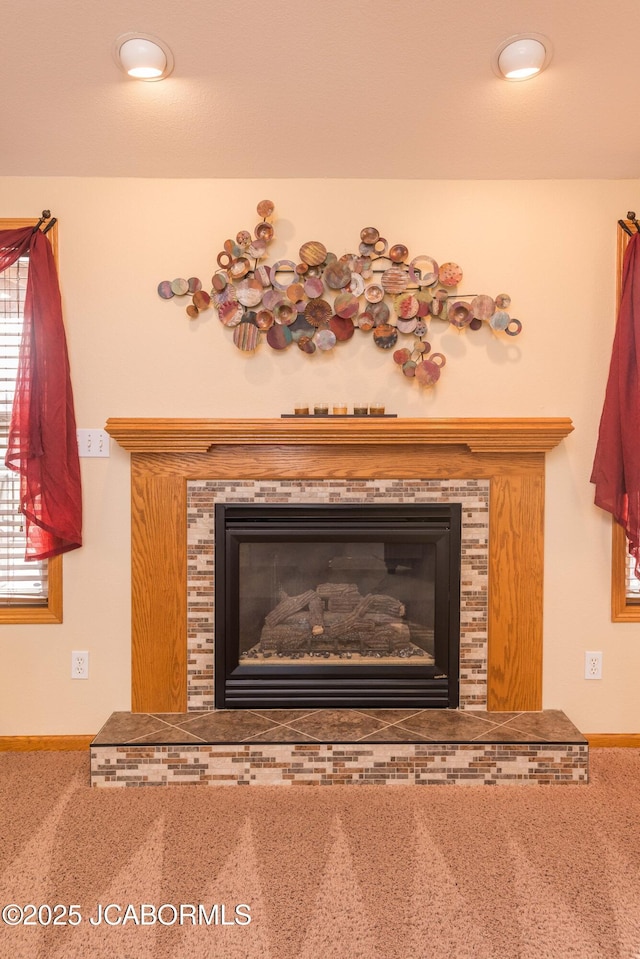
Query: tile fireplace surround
493	467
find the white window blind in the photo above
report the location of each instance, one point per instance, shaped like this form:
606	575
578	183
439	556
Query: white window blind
632	582
21	583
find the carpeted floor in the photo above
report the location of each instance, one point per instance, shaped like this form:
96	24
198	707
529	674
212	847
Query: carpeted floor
370	872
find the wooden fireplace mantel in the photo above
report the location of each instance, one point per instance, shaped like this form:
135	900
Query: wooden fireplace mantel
166	453
477	435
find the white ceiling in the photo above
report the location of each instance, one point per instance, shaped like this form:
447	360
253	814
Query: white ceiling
338	88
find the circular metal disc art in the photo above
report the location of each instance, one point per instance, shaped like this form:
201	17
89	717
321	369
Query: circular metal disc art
499	320
483	307
324	300
406	306
179	286
407	326
450	275
246	337
201	300
279	337
374	293
337	275
265	208
369	235
459	315
264	319
401	356
513	327
346	305
313	287
398	253
421	276
306	344
318	312
250	292
230	313
427	373
285	313
366	322
394	280
342	328
313	253
325	339
385	337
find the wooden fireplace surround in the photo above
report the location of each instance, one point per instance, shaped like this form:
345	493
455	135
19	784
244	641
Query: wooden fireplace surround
166	453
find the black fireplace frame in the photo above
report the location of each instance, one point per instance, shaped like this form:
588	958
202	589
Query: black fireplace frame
239	685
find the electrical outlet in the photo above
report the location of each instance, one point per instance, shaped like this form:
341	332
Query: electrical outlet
92	442
79	664
593	665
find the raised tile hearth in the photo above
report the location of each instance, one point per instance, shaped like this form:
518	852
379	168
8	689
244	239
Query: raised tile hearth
339	747
499	735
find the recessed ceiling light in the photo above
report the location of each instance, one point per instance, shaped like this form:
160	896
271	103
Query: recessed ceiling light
142	56
522	57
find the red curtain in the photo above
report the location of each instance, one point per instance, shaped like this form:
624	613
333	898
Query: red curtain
42	444
616	466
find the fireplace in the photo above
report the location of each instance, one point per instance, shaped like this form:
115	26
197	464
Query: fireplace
337	605
168	454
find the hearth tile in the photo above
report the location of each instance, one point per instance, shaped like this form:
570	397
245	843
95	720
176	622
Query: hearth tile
494	718
446	725
168	734
176	719
228	726
390	715
337	725
392	734
280	734
506	734
548	726
283	715
122	727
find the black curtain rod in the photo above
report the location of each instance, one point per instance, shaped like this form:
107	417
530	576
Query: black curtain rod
45	216
632	217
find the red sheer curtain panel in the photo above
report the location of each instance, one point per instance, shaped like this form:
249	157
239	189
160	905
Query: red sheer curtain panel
42	444
616	465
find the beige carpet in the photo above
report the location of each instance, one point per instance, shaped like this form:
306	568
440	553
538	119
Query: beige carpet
329	873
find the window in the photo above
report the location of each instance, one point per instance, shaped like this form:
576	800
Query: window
30	592
625	588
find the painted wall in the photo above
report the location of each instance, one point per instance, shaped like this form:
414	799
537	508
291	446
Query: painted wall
549	244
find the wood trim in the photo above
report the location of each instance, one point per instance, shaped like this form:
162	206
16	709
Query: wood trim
51	613
613	740
167	453
20	744
159	592
516	561
477	435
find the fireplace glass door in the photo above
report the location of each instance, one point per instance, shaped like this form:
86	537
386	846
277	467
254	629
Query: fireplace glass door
337	606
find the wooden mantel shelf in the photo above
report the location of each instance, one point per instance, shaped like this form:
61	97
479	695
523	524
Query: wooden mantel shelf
478	435
167	453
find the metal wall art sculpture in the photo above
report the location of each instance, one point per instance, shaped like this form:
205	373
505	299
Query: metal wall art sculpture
322	300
